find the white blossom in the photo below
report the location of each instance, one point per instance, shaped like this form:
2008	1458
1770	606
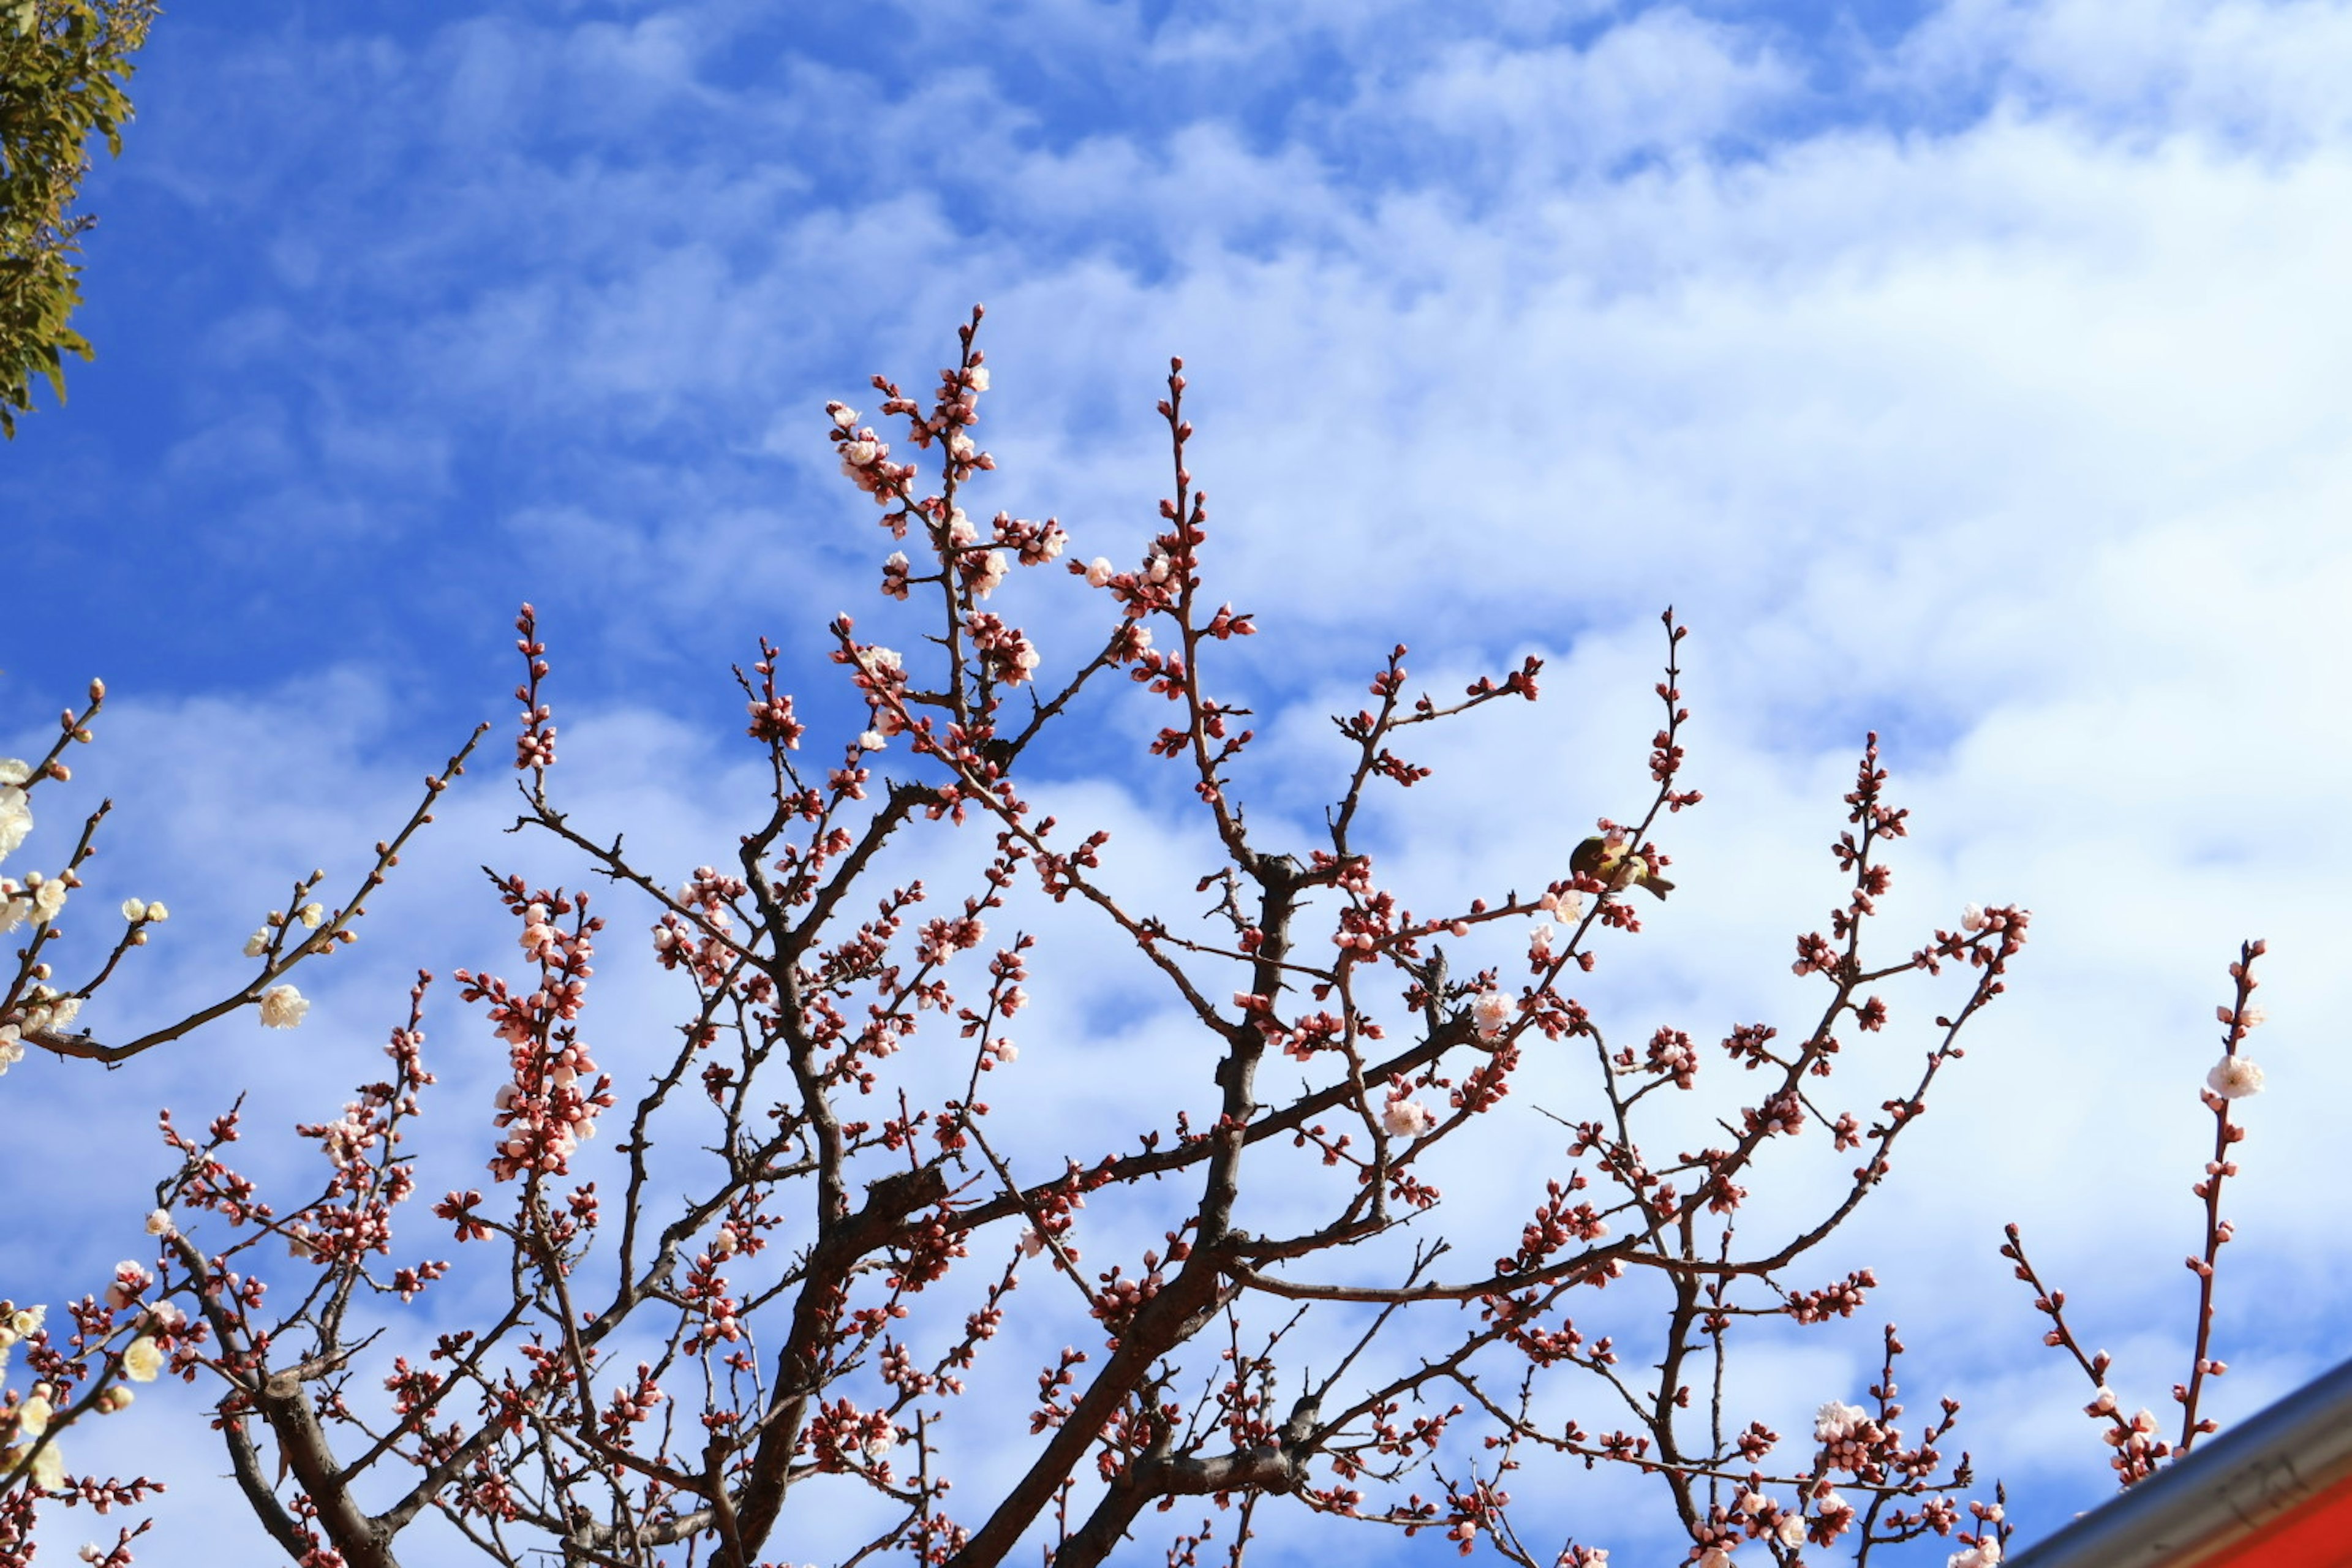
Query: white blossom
16	812
282	1007
141	1360
49	1467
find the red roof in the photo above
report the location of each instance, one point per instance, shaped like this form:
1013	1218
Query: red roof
2274	1491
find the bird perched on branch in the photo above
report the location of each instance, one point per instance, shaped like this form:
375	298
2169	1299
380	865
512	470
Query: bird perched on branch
1611	862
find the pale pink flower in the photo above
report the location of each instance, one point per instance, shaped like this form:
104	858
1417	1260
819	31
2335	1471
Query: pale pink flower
1098	572
1567	905
1405	1118
1493	1010
1972	918
128	1280
1834	1421
2234	1078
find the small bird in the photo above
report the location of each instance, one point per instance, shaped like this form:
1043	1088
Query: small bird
1610	862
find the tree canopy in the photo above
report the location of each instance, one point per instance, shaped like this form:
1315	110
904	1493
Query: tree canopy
64	68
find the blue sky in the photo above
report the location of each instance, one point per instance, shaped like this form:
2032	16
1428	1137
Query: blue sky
1971	373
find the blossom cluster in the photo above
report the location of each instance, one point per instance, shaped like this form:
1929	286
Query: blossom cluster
550	1104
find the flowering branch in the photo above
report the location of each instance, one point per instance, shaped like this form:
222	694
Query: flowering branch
2139	1451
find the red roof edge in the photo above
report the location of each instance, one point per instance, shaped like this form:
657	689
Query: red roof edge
2275	1490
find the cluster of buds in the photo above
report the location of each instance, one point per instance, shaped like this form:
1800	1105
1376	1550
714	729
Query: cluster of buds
551	1103
2137	1448
1846	1435
866	458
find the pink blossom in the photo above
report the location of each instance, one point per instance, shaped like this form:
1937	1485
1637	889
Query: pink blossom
1405	1118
